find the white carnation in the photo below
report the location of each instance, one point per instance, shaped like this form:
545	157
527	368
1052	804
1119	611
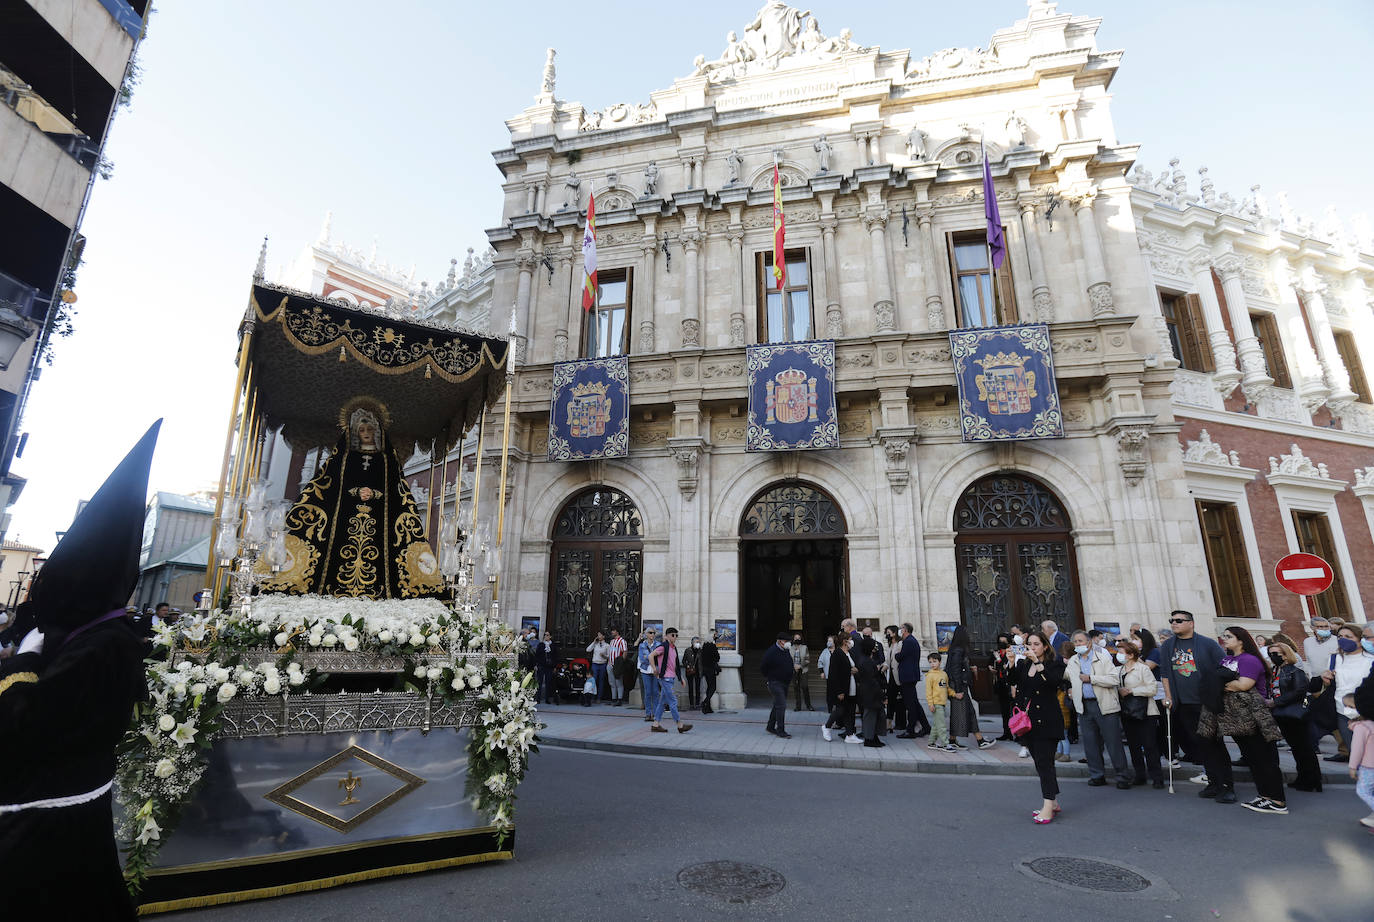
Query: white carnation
433	673
330	640
165	768
198	688
166	723
295	678
227	691
384	637
457	684
350	643
420	672
281	639
179	689
474	681
416	639
272	686
432	640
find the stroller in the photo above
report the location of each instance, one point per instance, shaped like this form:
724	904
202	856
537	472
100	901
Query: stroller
569	677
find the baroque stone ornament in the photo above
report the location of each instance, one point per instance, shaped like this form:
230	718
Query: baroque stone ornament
1364	477
1100	297
896	446
691	332
737	329
646	336
886	315
687	454
834	322
1205	451
1131	443
560	345
1297	464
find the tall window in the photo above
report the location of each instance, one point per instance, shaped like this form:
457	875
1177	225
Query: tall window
1345	345
1227	564
1267	332
606	331
1314	537
972	276
785	316
1187	330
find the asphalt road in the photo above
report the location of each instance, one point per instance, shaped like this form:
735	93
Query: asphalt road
604	836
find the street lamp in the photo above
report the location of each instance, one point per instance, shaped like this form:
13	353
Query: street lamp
14	331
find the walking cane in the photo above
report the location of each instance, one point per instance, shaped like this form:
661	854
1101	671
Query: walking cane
1169	733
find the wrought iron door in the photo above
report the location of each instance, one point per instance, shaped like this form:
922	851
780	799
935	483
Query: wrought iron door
1015	559
597	569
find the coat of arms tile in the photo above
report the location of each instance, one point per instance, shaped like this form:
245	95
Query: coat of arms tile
1007	389
792	396
589	415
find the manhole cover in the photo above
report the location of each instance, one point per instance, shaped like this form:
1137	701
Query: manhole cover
1087	874
732	881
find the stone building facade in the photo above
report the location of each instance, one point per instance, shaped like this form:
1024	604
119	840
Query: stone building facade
880	156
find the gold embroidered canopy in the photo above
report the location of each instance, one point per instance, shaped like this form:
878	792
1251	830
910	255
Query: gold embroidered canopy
309	356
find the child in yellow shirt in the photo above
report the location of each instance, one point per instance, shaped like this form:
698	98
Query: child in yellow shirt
937	696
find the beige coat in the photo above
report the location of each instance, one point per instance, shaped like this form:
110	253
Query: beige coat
1105	679
1139	681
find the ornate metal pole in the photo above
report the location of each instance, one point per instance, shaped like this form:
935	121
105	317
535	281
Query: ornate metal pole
241	382
505	461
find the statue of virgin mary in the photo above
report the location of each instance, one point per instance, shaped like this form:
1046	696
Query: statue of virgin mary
356	531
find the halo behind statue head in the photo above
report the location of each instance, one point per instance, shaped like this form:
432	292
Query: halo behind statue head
370	404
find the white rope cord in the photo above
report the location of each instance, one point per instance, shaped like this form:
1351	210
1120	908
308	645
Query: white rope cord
55	802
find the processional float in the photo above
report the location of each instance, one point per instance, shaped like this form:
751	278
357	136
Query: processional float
345	704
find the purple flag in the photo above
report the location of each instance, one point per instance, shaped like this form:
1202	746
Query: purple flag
997	243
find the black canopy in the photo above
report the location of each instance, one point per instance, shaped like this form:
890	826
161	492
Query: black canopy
310	356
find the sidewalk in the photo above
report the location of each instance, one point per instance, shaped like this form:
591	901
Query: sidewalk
739	736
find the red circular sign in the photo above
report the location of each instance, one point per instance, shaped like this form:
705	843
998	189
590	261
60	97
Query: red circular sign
1305	574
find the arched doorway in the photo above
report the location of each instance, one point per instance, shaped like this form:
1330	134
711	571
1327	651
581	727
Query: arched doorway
794	562
597	568
1015	558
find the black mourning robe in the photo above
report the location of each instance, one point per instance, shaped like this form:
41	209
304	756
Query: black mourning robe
339	544
62	714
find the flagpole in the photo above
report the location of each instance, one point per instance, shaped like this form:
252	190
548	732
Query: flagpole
987	246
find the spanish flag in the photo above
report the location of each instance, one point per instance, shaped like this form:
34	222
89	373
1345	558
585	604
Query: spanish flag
589	257
779	233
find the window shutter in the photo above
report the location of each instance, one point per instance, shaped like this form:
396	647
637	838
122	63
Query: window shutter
1240	564
954	282
626	336
1195	338
1268	330
1350	358
1006	292
761	296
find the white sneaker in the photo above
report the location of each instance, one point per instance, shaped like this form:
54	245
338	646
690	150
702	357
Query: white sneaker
853	738
1024	753
1175	763
1199	779
825	732
1368	821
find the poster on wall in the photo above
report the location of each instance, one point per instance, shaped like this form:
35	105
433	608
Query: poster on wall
1111	628
727	634
655	626
944	633
529	621
589	412
1007	389
791	396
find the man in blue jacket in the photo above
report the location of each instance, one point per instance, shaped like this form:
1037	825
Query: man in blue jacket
1186	661
777	671
908	657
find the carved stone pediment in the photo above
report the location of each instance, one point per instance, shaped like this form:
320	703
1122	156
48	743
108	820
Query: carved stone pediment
1205	451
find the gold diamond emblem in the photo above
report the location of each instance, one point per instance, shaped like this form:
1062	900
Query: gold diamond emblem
367	783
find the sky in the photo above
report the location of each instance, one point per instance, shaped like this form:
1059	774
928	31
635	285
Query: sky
256	117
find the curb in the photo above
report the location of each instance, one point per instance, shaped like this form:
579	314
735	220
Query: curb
904	767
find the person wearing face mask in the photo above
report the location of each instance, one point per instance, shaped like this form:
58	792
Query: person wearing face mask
1093	683
1139	713
1348	667
1317	652
691	672
801	666
709	664
1288	704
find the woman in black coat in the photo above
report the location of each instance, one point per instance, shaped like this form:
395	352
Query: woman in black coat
870	685
1289	708
840	688
1037	679
963	718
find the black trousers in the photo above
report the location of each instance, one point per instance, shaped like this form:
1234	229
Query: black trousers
710	692
1142	741
1004	704
1263	758
915	714
1216	761
896	705
842	715
1042	754
693	683
803	690
777	717
1299	737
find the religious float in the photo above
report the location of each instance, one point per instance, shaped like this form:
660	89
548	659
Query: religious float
349	706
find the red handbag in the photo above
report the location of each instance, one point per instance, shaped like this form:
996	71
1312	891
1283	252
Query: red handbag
1020	722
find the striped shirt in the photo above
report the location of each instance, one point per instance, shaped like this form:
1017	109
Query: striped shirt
617	648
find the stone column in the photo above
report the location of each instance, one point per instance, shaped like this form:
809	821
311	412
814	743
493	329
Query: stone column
1255	381
541	200
880	282
935	309
735	234
1099	285
1226	376
645	294
1041	301
834	317
1311	286
531	196
525	261
562	282
691	310
1310	383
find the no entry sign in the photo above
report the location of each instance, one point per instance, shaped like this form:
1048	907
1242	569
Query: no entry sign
1304	574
